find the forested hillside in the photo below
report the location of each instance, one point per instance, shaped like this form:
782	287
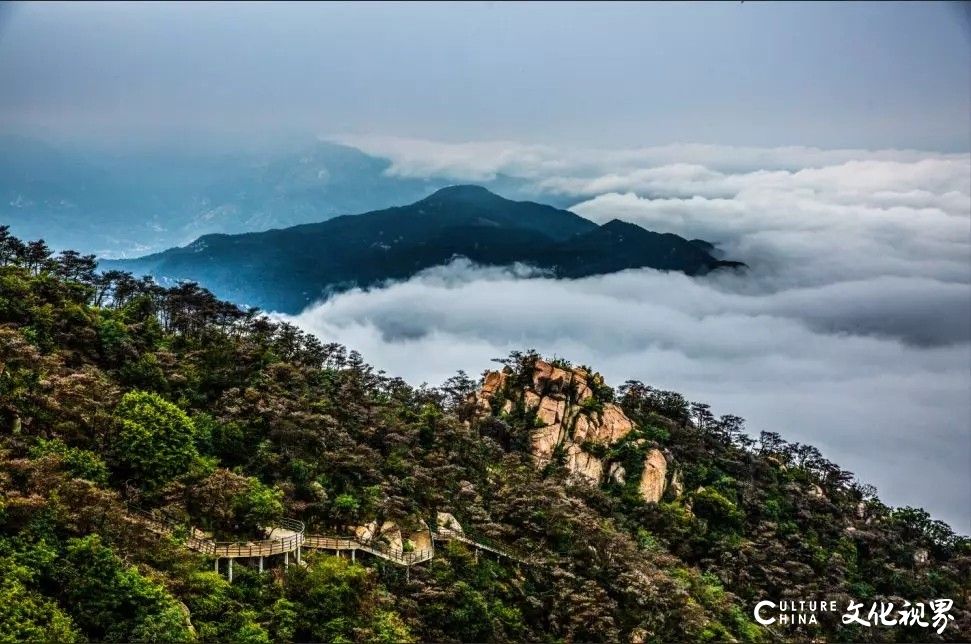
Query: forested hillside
117	394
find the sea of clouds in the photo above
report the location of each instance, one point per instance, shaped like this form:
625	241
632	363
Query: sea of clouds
851	330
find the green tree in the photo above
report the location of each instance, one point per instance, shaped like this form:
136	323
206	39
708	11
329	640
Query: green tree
80	463
155	442
113	602
27	616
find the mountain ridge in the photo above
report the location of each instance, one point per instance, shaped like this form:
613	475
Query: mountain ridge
285	269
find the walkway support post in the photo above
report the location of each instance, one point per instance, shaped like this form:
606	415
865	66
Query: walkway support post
286	560
217	565
261	563
230	570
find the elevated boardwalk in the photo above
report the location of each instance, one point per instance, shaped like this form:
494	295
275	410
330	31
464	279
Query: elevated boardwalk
289	537
443	534
381	550
285	538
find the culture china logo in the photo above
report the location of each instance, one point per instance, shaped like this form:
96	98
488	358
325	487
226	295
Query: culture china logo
934	614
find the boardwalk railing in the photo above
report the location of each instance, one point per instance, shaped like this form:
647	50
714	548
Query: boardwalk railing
476	541
385	551
291	539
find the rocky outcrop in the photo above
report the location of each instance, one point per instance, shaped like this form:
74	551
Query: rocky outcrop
568	424
389	534
655	474
445	522
617	474
677	487
583	464
421	539
494	382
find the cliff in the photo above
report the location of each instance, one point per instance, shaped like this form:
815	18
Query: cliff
575	425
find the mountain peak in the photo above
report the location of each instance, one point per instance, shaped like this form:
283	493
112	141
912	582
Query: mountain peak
620	226
464	193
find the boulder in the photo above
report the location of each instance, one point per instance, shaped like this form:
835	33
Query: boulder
448	523
531	399
583	429
614	424
583	466
654	477
421	539
617	474
677	487
388	533
494	382
367	532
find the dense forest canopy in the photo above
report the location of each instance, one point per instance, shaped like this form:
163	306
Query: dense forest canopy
118	393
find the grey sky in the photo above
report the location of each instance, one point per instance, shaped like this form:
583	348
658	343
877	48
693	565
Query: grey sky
829	75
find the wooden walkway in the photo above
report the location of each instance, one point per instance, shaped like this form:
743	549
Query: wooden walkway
443	534
288	537
378	549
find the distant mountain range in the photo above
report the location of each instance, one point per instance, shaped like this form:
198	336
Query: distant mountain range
286	269
143	200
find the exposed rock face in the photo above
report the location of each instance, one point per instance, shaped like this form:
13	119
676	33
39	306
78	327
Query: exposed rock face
617	474
388	532
583	465
653	479
446	522
676	485
545	440
422	538
556	396
494	382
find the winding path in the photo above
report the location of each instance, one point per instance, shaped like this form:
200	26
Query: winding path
289	536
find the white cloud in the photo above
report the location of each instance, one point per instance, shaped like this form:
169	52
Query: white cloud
896	414
482	160
850	331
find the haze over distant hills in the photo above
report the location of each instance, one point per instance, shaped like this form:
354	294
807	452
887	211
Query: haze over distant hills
126	204
287	269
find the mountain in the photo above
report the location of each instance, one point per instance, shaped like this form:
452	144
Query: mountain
285	270
164	454
136	201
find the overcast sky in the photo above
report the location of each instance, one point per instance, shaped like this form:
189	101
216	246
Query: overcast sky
832	75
